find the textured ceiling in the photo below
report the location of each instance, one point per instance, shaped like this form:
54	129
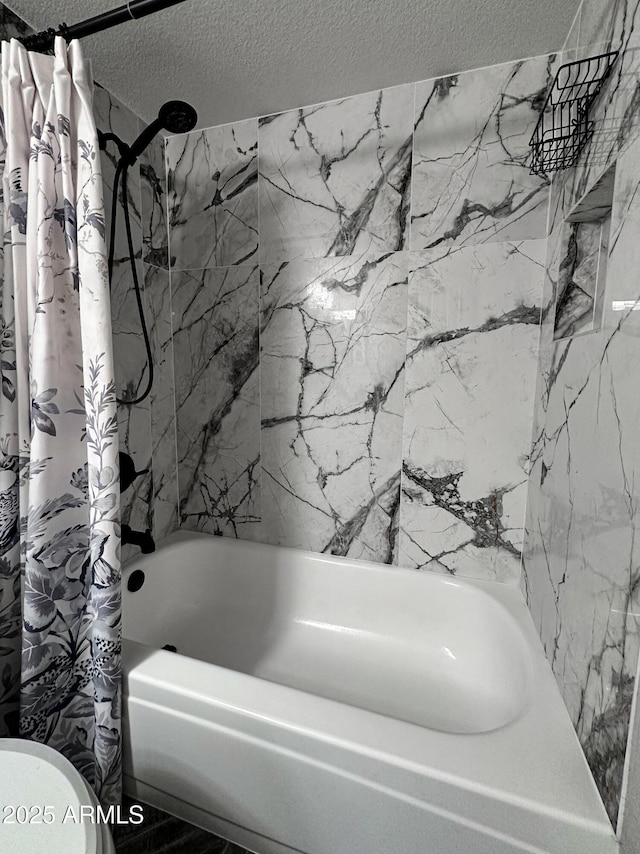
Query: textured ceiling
235	59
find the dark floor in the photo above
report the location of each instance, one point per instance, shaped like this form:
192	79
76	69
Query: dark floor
161	833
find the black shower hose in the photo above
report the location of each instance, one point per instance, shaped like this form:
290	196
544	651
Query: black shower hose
122	171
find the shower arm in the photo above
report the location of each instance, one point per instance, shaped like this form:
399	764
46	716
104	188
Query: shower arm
130	11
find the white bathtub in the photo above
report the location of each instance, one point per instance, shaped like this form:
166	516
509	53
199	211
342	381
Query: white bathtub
318	704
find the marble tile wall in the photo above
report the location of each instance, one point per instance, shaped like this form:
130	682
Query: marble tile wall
335	178
332	364
473	333
213	197
471	182
217	397
581	547
213	230
582	275
347	279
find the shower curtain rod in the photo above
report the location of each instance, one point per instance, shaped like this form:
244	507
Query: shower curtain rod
130	11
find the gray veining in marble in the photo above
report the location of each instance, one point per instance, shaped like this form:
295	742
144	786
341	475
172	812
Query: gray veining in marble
581	276
335	178
581	554
333	333
162	404
471	181
596	204
215	341
606	27
472	351
153	184
213	196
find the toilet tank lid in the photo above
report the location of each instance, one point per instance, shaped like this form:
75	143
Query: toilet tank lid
34	776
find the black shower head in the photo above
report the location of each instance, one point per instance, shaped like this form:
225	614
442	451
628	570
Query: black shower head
174	116
177	116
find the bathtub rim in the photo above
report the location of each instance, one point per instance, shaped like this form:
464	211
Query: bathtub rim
430	585
496	812
147	668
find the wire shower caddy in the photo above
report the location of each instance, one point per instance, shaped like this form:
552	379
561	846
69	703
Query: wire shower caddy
564	125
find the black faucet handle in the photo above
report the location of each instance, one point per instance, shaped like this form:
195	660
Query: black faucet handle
142	539
147	543
128	471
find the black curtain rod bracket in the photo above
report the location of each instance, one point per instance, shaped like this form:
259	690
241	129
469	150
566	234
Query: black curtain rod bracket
130	11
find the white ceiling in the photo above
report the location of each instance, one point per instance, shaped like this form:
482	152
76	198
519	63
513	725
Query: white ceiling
234	59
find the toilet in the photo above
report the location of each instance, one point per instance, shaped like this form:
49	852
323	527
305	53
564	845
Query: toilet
34	777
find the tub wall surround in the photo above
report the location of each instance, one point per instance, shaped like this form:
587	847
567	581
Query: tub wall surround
472	131
470	378
332	402
581	550
215	312
315	336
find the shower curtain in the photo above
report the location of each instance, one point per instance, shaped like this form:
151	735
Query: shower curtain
59	479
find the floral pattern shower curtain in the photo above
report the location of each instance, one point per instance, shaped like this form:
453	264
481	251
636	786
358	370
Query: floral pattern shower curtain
59	480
